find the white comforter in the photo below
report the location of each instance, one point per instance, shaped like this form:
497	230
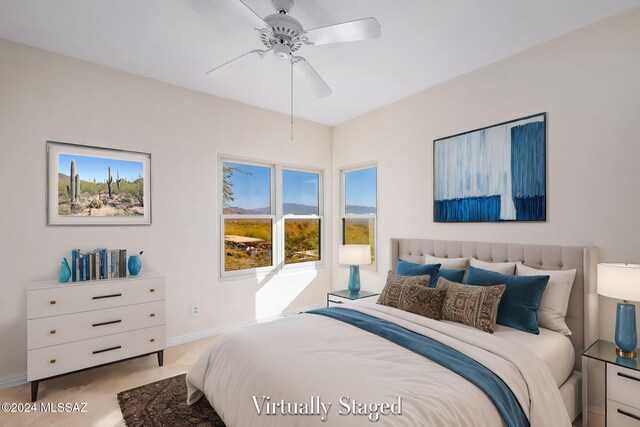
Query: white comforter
306	357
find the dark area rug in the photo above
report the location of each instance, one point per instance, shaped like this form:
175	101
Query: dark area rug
164	403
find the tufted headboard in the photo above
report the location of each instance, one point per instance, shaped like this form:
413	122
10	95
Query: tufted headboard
582	315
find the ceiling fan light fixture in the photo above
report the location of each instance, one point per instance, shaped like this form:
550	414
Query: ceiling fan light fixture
282	51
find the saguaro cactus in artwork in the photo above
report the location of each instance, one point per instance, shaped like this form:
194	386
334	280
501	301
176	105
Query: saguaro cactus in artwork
109	181
118	180
77	181
72	183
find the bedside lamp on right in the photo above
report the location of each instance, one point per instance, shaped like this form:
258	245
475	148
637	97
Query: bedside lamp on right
622	281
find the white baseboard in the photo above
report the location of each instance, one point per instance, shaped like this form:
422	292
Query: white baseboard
13	380
19	379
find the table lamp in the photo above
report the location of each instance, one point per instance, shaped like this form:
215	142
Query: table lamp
355	256
622	281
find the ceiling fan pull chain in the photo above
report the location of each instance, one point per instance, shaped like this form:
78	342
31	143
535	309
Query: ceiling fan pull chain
292	97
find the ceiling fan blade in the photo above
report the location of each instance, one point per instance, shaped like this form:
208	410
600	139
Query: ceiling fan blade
313	79
242	59
258	22
361	29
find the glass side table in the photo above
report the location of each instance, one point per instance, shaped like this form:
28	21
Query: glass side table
610	387
340	297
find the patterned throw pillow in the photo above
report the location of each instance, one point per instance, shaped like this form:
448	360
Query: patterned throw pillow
475	306
426	302
396	286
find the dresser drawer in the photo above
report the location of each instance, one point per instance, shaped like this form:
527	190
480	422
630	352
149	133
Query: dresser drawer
55	360
75	298
47	331
623	385
619	415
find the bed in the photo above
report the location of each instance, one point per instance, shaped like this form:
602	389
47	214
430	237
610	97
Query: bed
314	369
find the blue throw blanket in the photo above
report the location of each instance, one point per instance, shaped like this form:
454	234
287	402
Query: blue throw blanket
501	395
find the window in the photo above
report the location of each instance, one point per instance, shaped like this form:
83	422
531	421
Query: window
271	217
301	209
359	207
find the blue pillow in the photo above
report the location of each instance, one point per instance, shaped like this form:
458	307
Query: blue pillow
520	301
452	275
407	268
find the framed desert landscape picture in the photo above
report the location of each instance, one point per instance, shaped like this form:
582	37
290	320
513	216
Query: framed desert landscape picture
492	174
97	186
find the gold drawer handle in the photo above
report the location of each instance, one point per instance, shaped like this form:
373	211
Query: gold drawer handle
52	361
52	302
152	315
152	340
152	290
52	332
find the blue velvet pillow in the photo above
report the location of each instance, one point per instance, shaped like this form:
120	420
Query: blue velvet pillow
520	301
452	275
407	268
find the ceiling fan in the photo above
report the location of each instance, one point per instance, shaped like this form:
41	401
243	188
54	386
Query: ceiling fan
283	35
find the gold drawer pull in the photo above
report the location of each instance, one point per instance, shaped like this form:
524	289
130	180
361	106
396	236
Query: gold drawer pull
152	290
52	302
152	315
52	332
152	340
52	361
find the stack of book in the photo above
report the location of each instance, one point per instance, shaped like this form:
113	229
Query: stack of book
98	264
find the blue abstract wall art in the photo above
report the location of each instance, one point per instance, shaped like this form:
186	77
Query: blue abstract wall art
493	174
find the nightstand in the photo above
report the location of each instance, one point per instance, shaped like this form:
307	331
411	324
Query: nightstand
340	297
610	387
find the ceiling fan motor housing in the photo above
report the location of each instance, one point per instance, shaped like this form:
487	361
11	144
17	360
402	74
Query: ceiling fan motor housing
285	30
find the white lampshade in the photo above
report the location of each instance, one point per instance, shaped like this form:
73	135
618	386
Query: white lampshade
354	254
620	281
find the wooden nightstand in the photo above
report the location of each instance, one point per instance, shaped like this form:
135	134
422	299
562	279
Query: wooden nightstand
340	297
610	387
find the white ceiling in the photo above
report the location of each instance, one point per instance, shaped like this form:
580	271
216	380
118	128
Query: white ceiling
424	42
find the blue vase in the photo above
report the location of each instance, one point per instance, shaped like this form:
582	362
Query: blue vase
354	279
134	265
65	271
626	337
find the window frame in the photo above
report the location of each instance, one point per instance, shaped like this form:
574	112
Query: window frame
343	205
277	217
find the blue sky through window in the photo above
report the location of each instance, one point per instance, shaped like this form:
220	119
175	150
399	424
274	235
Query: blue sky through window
300	188
251	186
97	167
360	188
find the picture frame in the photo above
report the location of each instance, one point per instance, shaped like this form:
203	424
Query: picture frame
109	186
492	174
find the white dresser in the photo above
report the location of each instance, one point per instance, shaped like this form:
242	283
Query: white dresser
76	326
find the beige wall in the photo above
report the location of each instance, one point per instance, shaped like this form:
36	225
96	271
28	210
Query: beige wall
47	96
589	84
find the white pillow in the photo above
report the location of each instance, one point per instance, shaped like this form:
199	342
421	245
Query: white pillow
498	267
447	263
555	299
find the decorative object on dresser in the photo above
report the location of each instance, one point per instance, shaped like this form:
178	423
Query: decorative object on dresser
611	386
622	281
135	264
354	256
97	186
65	271
345	295
492	174
90	324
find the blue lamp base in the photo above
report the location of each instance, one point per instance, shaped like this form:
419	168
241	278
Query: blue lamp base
626	336
354	280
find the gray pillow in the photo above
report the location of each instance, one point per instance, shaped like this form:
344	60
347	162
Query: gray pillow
475	306
397	285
